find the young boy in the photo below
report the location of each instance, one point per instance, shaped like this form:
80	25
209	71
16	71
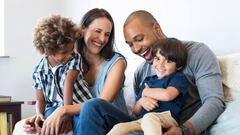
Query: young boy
58	77
161	96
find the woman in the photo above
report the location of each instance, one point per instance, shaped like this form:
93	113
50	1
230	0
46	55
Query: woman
103	71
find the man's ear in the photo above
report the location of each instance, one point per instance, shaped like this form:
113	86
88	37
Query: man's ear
156	28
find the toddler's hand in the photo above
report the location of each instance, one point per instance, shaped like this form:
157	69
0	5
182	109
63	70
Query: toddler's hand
29	126
148	103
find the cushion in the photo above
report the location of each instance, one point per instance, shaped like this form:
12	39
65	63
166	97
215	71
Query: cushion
230	67
228	122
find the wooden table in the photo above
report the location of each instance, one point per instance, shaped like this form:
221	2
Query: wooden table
13	107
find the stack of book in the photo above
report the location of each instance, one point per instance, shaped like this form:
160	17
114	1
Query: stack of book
6	118
5	98
6	123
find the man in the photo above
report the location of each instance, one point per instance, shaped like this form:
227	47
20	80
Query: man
204	103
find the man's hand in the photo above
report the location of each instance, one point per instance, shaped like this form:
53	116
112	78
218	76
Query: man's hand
29	126
172	130
148	103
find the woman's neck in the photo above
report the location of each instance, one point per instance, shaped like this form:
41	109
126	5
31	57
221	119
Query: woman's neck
93	59
95	63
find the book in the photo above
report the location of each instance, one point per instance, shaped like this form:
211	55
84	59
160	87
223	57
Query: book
10	123
3	123
5	98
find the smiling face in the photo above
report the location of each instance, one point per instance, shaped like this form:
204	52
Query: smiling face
140	38
162	66
61	56
97	34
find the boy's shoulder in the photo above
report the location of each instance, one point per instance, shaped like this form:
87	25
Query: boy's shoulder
42	65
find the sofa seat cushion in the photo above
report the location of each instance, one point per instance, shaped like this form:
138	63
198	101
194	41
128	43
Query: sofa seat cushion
228	122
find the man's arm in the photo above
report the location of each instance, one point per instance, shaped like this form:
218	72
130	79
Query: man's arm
206	70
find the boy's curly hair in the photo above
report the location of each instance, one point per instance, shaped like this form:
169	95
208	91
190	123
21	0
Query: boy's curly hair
54	33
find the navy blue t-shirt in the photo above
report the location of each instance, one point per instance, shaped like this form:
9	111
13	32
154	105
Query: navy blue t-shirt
177	80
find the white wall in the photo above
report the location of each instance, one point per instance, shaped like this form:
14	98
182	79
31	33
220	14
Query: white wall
1	28
214	22
21	16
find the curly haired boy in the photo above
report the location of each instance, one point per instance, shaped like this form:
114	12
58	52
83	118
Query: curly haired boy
57	78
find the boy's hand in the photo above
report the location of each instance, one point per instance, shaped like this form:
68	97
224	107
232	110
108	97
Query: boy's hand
39	122
29	126
148	103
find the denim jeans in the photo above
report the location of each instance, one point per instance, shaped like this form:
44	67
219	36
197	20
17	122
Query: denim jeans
49	111
98	117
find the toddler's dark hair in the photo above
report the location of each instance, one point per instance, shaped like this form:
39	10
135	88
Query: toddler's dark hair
172	49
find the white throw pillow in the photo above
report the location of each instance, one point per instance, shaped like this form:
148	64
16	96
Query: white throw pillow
230	67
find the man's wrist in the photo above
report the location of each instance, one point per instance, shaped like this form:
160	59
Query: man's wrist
189	125
185	130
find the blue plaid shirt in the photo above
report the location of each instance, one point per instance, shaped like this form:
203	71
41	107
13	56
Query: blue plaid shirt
53	83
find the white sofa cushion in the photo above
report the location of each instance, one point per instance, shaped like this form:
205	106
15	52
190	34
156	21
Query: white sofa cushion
230	67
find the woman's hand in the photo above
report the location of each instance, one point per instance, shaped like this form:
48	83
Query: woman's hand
29	126
66	125
148	103
52	125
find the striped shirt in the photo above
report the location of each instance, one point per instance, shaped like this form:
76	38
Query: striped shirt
52	84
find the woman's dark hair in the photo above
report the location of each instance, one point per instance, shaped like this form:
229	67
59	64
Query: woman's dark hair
107	52
172	49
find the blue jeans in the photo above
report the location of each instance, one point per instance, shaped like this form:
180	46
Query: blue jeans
98	117
49	111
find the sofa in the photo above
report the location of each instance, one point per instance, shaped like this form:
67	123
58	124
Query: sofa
228	122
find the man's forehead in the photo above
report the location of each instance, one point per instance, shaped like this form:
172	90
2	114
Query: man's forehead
132	32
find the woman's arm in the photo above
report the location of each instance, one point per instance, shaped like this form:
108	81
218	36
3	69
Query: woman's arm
114	80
